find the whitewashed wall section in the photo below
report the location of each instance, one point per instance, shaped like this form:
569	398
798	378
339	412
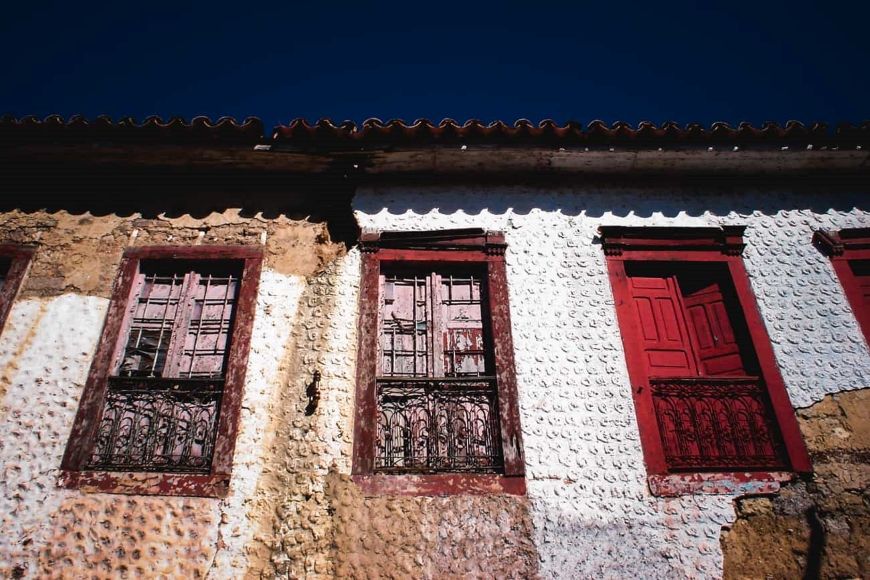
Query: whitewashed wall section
593	514
277	304
46	350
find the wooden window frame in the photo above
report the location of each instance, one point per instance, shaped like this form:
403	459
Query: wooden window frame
469	246
19	260
81	441
842	247
723	245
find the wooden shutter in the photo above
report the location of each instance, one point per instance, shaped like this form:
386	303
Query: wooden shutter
460	323
710	324
431	325
665	341
406	326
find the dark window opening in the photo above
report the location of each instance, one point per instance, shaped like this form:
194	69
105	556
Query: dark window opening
5	264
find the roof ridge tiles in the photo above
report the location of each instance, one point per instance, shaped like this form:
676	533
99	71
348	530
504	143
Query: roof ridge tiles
326	133
152	129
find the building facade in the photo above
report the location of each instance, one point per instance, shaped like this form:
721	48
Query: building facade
433	351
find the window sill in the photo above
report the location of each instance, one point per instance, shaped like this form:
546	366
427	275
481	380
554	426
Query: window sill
742	483
146	483
440	484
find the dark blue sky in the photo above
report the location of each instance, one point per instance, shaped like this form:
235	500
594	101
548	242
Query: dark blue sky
683	61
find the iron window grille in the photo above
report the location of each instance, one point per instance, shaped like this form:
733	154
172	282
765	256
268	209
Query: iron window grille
708	393
164	389
436	391
437	397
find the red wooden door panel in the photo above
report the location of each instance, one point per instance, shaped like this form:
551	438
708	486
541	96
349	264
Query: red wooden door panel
665	342
710	324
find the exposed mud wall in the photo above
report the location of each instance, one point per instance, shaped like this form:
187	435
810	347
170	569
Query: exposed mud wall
293	524
431	537
314	522
78	253
591	507
818	528
46	349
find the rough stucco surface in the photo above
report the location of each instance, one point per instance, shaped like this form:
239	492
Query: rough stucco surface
314	521
820	528
292	510
592	511
45	353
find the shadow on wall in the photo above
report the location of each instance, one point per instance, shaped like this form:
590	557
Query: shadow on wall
162	196
618	201
330	203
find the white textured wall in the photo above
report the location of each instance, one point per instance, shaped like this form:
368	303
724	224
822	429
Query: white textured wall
277	303
593	514
592	511
46	350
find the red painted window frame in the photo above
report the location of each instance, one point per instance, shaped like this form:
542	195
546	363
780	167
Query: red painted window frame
438	247
842	247
81	440
674	244
19	260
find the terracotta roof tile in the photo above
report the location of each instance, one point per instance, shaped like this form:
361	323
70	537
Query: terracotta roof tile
376	133
327	135
153	130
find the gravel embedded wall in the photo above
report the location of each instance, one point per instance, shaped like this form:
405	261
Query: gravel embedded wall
45	353
592	512
292	509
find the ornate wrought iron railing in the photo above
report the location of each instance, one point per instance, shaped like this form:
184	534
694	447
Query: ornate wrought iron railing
433	425
714	423
158	424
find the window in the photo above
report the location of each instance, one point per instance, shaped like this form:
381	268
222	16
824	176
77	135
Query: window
436	391
164	389
849	251
708	394
13	265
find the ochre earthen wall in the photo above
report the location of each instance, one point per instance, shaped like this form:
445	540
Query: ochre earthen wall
818	528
